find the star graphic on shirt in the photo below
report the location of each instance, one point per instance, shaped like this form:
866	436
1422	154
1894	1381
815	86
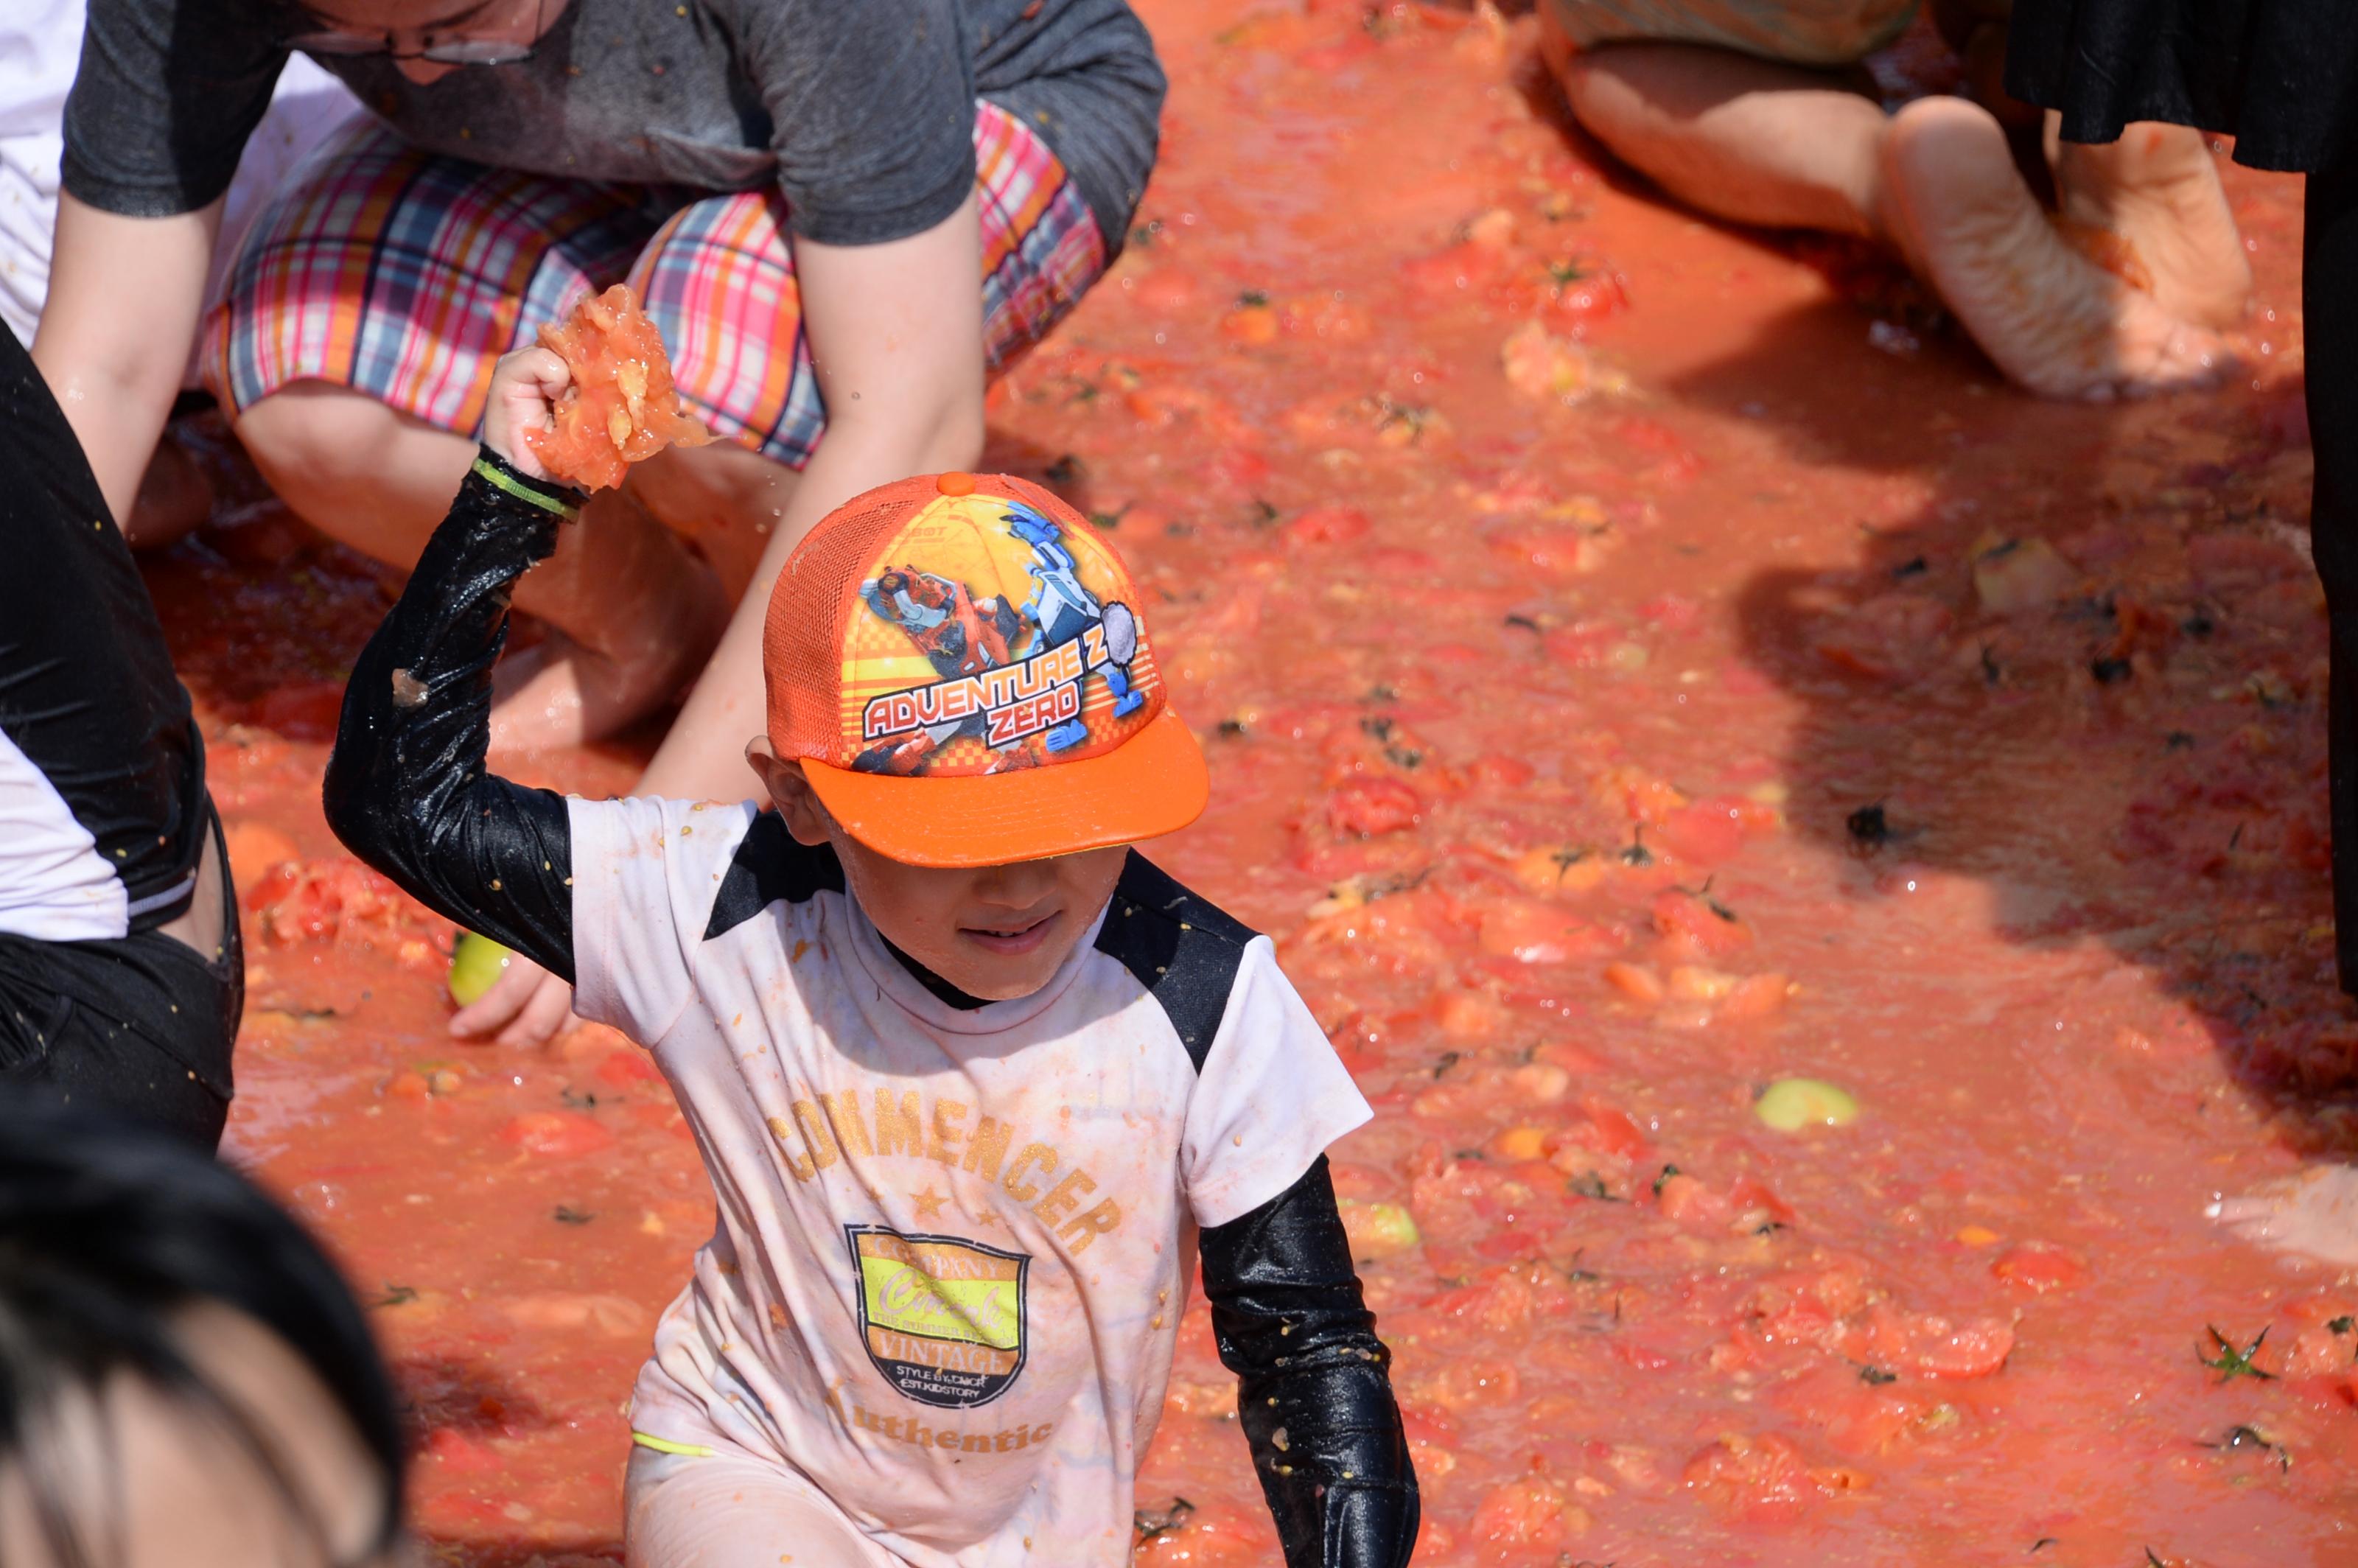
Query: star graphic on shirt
929	1203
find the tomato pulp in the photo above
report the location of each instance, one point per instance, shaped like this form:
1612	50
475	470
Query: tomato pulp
1723	682
621	407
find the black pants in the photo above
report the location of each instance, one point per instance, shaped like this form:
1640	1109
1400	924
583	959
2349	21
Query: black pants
2329	286
140	1025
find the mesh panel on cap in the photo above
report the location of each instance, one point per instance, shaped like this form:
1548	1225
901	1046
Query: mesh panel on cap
802	640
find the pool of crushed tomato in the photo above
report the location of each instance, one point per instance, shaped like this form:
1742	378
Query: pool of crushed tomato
1641	661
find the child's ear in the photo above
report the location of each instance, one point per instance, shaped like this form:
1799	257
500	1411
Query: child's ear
790	792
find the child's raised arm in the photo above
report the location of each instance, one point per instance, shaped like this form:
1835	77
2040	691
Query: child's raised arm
1315	1393
406	788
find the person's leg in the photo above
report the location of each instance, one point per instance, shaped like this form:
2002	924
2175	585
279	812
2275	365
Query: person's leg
2159	190
633	613
727	1511
354	347
1774	144
1739	137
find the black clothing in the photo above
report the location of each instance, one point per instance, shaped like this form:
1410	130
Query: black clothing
1313	1390
407	787
407	792
2329	322
87	696
142	1024
2281	76
103	814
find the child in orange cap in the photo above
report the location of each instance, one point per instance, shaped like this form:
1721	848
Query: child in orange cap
969	1075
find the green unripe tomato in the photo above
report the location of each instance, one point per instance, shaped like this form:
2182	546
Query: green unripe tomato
1790	1104
475	963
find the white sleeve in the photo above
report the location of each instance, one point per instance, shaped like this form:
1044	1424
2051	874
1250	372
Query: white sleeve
633	944
1272	1096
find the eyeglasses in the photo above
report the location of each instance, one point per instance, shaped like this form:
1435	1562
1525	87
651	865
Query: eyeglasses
439	51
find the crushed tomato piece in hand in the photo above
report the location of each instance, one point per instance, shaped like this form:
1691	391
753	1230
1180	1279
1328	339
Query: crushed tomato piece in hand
621	407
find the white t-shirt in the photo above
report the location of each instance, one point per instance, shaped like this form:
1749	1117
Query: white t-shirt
953	1244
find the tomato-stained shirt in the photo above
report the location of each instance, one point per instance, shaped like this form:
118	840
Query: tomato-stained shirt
953	1243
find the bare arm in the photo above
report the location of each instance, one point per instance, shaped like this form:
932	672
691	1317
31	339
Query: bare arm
124	295
896	337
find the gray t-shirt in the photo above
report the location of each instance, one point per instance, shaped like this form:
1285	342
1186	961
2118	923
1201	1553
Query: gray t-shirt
861	111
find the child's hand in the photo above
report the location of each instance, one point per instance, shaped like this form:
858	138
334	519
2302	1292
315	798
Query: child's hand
526	386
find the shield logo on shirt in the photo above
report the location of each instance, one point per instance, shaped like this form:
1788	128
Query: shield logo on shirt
943	1317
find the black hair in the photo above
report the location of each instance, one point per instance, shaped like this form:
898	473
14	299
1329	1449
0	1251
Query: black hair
107	1232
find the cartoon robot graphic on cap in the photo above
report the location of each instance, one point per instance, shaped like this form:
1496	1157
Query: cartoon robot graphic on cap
1063	610
958	634
961	636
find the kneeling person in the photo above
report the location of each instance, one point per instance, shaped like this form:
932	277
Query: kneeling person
967	1071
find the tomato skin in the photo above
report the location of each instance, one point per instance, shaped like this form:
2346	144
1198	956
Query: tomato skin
1693	925
1532	931
1464	1385
1935	1346
1367	807
1612	1131
1587	299
2040	1267
557	1134
1444	273
1328	526
1215	1536
1704	835
1857	1418
326	901
1755	997
1764	1478
1529	1514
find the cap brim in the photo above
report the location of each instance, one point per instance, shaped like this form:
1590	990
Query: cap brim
1152	783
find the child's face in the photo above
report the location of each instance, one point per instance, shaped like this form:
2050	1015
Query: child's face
994	932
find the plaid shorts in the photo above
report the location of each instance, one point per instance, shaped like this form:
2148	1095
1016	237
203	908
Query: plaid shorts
404	275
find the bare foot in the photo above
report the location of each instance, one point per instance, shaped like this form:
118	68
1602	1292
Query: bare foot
2052	321
559	693
2157	190
633	615
2314	1214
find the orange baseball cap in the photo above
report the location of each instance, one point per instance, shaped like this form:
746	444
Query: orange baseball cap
960	663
